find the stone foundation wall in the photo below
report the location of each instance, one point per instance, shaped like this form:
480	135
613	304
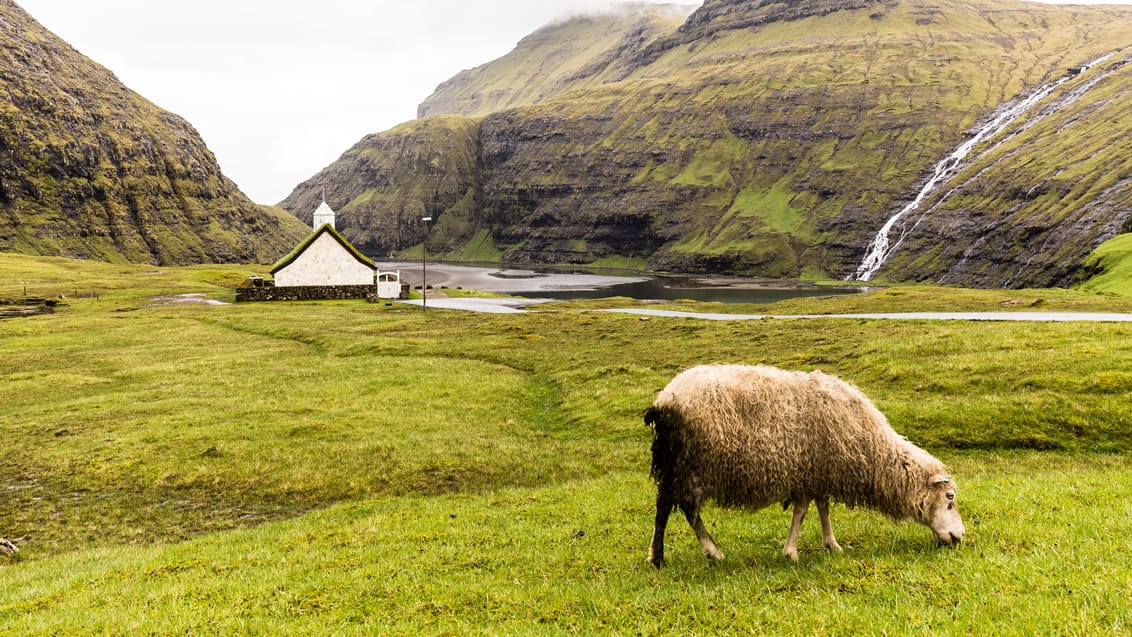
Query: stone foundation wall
262	292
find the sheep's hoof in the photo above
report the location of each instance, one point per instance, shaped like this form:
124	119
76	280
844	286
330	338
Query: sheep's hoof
834	547
657	562
791	555
714	555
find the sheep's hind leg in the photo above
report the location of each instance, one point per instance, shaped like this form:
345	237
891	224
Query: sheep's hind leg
656	549
791	548
826	528
692	513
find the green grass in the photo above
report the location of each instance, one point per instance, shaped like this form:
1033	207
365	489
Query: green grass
346	468
1113	261
927	298
771	204
479	249
1045	536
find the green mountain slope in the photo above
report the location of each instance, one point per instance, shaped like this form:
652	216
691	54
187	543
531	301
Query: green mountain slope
776	138
1108	269
584	51
90	169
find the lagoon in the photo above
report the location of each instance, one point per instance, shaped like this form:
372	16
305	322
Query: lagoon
562	284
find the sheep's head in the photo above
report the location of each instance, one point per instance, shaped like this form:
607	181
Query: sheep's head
939	510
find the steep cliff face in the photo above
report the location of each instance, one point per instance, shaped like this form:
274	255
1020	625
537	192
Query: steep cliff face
89	169
775	138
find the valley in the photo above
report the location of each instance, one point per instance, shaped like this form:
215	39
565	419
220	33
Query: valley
770	139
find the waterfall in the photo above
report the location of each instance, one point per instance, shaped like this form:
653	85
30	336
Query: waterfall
882	247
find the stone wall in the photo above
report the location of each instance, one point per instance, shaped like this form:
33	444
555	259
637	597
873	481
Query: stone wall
264	291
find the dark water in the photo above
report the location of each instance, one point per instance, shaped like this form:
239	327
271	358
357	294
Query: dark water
678	289
570	284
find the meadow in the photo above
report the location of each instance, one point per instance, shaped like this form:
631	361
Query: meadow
345	468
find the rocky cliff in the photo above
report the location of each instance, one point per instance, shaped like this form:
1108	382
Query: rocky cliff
776	138
90	169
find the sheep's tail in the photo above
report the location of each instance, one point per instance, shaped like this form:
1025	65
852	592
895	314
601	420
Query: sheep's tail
666	445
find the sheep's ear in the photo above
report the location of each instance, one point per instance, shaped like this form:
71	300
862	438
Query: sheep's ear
940	478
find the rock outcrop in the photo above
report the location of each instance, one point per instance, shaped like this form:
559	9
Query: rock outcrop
90	169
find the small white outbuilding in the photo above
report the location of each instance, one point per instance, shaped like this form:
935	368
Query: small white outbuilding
327	259
389	285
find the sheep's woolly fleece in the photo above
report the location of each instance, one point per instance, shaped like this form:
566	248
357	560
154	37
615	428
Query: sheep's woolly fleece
755	436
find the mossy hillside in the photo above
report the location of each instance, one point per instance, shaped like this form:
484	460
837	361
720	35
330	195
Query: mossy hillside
96	171
876	158
1056	190
840	112
1110	267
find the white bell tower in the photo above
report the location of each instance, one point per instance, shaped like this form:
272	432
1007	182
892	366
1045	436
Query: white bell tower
323	216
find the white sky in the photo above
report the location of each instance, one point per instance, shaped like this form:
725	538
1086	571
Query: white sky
279	89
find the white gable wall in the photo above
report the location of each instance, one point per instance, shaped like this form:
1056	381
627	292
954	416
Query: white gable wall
324	262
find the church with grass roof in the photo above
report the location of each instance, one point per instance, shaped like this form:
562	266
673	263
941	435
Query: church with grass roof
325	258
324	266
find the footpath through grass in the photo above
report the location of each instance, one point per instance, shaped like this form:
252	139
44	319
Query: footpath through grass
346	468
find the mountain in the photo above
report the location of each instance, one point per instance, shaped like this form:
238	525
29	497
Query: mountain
90	169
562	56
770	138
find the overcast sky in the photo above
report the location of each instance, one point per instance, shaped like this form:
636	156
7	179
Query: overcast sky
279	89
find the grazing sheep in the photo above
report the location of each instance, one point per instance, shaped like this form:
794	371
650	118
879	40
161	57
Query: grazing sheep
750	437
7	548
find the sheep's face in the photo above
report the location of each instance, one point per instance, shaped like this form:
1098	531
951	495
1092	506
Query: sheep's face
941	513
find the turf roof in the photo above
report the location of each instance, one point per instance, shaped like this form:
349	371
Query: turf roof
325	229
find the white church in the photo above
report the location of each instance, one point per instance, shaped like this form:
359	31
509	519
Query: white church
324	266
324	259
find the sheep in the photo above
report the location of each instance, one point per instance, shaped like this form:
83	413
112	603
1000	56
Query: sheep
751	436
8	548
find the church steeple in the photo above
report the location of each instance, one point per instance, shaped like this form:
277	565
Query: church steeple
323	216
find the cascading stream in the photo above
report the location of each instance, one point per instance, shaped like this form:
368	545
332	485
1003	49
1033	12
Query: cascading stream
882	247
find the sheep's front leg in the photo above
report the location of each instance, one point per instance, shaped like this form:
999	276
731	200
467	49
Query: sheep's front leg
826	528
791	548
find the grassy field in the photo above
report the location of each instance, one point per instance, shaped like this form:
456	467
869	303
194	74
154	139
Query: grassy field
346	468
